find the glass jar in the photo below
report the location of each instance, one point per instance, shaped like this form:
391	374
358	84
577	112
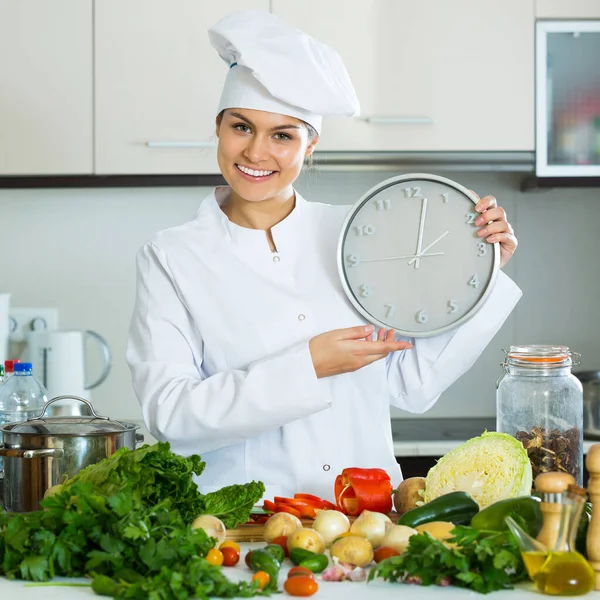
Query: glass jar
539	402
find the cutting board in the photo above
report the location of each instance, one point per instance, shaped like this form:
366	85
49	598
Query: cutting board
254	532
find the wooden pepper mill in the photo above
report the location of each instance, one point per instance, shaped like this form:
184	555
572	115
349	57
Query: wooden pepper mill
592	462
553	482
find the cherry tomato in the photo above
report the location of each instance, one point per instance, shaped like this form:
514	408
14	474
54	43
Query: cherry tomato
281	540
384	552
231	557
247	559
230	544
262	577
215	557
300	586
300	572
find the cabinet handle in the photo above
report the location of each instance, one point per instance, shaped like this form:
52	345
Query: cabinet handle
399	120
164	144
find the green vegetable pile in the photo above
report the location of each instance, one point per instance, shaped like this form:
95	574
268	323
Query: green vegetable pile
125	522
484	561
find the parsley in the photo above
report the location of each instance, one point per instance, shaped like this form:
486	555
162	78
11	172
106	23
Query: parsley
483	561
125	522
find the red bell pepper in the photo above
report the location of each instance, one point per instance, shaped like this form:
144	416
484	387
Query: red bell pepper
363	489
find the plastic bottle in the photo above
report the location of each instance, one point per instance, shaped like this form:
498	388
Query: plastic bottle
9	368
1	374
21	397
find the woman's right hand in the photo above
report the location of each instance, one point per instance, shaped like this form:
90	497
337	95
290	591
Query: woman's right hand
350	349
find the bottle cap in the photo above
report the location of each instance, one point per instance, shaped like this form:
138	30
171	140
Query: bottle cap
22	367
9	365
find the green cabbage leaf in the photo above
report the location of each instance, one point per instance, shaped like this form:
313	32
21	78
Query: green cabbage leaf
491	467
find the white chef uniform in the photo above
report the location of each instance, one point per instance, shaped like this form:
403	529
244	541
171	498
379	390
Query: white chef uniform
219	338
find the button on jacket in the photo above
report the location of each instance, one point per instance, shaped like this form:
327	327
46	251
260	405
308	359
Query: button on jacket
219	352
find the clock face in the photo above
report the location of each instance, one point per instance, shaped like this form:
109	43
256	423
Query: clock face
410	259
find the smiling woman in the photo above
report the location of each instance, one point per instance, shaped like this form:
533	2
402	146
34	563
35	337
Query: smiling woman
243	347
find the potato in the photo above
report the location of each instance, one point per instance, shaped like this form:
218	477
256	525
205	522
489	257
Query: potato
306	538
408	494
280	524
353	549
440	530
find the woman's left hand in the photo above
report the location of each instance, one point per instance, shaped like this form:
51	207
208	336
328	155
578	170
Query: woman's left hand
495	227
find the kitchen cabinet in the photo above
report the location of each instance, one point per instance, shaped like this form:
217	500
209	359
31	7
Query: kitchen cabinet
157	85
431	75
46	87
574	9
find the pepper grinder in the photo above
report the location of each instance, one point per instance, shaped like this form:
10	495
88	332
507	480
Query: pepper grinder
592	462
551	486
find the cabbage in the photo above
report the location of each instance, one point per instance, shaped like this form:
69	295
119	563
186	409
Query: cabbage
491	467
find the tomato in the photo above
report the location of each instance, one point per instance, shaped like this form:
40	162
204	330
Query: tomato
214	557
384	552
300	571
230	544
281	540
231	557
247	559
262	577
288	509
300	586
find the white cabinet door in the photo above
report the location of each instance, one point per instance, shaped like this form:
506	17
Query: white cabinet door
157	85
574	9
46	87
430	75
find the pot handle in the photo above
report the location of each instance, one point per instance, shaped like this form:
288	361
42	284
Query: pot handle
30	453
41	415
139	438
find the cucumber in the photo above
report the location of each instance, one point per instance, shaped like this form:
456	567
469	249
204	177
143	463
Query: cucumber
456	507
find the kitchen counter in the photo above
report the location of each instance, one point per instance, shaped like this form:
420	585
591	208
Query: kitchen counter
328	590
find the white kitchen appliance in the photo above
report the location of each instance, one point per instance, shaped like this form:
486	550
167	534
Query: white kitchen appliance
59	360
4	329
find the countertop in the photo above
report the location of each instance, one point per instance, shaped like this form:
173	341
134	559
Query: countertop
328	590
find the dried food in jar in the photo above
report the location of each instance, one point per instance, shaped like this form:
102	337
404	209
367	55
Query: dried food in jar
553	450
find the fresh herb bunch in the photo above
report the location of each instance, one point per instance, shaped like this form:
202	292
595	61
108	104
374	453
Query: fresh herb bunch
129	529
483	561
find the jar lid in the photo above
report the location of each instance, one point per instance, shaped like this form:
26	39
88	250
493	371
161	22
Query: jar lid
543	356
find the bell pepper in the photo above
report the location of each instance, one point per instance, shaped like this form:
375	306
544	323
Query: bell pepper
526	507
363	489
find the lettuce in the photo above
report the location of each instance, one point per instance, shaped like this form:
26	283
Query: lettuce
491	467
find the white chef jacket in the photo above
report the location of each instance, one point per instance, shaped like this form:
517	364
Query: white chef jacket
219	353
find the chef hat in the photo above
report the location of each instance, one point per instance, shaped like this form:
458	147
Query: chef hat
276	68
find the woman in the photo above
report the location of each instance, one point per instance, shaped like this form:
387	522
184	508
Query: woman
243	347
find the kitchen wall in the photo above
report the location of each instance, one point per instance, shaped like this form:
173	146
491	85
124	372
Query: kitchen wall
75	249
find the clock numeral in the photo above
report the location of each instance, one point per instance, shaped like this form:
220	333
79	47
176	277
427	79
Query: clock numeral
481	249
446	198
353	259
365	290
364	229
389	309
383	204
474	281
471	216
452	306
422	316
412	192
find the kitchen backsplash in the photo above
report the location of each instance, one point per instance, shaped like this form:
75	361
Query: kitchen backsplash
75	250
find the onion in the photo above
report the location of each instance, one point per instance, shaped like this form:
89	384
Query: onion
212	526
396	537
371	525
331	524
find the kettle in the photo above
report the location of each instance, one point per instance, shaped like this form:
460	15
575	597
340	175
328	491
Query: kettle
58	361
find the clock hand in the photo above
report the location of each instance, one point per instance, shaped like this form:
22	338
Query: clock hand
416	258
421	229
399	257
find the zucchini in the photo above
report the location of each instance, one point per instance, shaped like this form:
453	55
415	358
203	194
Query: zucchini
456	507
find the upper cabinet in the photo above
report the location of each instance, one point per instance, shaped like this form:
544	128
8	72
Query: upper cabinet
157	85
573	9
430	75
46	87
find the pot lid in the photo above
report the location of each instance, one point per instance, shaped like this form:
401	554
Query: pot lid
78	425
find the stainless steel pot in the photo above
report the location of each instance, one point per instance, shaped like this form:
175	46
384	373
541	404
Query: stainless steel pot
590	380
44	451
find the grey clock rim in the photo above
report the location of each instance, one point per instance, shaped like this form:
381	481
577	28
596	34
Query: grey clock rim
368	195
